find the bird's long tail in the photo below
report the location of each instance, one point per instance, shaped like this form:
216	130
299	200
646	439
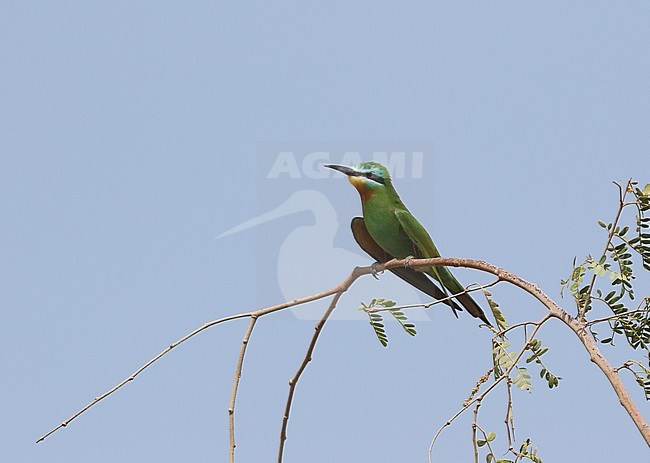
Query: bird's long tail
472	307
449	282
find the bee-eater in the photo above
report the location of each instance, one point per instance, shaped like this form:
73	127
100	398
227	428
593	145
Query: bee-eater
388	230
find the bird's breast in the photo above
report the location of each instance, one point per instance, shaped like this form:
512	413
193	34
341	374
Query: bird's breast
362	187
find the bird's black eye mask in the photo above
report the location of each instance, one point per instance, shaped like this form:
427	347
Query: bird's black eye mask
374	178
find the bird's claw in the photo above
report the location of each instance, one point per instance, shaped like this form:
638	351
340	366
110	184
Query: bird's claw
407	261
374	270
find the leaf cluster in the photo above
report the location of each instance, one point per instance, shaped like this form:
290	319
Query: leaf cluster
575	285
641	242
613	273
376	319
504	360
526	451
499	317
634	325
615	262
616	265
489	438
620	256
642	376
535	346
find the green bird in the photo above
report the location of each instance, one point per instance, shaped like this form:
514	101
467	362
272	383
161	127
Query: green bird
388	230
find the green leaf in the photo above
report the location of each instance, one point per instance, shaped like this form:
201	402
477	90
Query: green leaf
499	317
646	190
401	319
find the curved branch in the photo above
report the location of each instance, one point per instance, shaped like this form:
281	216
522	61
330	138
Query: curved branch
140	370
358	271
554	310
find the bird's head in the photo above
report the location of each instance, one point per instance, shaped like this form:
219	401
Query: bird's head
368	178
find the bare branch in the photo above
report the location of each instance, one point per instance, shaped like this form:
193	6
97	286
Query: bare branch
140	370
625	366
578	326
509	419
308	356
358	271
485	435
474	427
512	327
235	386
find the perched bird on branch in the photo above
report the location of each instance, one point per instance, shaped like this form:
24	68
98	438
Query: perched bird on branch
388	230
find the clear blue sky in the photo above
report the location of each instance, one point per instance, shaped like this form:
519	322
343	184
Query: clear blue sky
133	133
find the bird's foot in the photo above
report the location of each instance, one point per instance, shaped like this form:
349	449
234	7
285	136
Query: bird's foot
374	270
407	261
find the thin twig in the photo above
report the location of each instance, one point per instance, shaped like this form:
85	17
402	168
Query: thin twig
625	366
140	370
618	315
235	386
308	356
512	327
485	437
358	271
468	289
509	420
474	427
483	379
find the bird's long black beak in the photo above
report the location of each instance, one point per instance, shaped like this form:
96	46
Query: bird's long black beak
344	170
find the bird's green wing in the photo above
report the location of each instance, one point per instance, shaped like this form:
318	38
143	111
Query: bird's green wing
423	244
423	247
417	234
416	279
